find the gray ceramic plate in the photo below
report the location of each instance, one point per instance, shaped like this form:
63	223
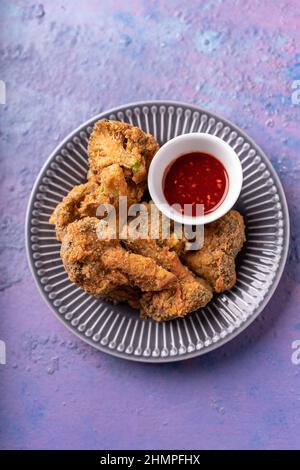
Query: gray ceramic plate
118	330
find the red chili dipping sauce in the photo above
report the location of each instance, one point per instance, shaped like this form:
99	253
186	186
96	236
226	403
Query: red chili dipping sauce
195	178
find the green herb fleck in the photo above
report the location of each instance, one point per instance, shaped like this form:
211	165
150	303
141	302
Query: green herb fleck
101	189
136	166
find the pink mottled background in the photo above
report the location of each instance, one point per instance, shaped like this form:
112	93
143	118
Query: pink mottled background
63	62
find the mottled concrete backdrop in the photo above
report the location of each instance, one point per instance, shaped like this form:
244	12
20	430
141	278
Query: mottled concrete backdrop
64	61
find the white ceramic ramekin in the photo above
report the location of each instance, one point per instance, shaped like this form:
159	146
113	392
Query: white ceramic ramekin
187	143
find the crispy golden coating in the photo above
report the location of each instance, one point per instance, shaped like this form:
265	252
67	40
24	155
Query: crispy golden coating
166	238
160	228
119	158
81	201
215	262
114	182
142	271
81	252
190	295
103	268
118	143
187	295
84	200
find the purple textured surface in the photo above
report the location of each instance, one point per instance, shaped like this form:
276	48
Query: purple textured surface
62	63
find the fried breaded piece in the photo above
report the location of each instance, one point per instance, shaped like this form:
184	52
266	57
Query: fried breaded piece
119	142
158	227
190	292
81	252
119	155
141	270
215	262
114	142
81	201
166	238
114	185
113	181
102	267
190	295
